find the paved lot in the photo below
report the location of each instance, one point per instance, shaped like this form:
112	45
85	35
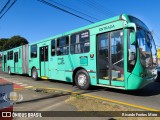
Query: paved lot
34	100
147	97
38	100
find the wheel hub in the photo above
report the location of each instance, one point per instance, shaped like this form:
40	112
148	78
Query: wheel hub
82	80
34	74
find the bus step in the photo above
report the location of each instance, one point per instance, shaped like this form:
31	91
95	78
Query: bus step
103	85
120	79
44	77
114	78
106	78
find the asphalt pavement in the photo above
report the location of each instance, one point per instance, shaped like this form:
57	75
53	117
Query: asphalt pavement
36	100
148	97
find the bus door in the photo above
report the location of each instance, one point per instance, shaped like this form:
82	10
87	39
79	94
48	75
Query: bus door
4	63
110	57
44	61
16	62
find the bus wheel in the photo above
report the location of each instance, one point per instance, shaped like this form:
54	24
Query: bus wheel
82	80
9	71
34	74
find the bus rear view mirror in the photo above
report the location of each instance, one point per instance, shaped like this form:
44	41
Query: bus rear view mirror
132	35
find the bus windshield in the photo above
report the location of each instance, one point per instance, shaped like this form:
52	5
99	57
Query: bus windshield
147	48
153	49
148	53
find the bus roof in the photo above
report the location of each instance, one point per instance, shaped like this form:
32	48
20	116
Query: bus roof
116	18
12	49
124	17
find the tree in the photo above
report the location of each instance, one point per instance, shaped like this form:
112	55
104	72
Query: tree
2	42
13	42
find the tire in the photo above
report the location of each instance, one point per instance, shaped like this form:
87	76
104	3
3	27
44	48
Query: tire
82	80
34	74
9	71
158	77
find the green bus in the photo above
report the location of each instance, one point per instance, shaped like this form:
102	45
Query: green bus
15	60
118	52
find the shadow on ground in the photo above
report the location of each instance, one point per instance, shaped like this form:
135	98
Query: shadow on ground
149	90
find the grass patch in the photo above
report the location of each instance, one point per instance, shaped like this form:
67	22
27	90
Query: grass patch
83	103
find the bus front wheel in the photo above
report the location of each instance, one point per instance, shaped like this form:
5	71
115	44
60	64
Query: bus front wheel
34	74
82	80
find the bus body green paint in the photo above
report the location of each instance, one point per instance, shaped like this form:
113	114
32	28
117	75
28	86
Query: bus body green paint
102	49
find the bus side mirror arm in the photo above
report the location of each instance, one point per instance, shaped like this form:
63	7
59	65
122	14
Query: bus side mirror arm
132	38
132	34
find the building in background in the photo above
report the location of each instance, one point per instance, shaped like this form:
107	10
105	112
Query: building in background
0	59
158	53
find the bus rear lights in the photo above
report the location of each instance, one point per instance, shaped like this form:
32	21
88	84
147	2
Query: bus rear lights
90	70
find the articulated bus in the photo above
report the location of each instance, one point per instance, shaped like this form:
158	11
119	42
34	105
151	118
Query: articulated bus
118	52
15	60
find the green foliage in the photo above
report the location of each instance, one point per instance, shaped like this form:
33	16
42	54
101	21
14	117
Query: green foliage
12	42
2	42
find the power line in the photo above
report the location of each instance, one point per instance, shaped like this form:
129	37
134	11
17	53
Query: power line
5	6
59	8
78	5
8	8
97	7
156	37
105	8
75	10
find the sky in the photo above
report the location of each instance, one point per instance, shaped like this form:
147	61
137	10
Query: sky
35	21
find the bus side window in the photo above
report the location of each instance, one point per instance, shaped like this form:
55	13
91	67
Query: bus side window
131	54
53	48
16	57
7	55
63	45
10	55
80	42
33	51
